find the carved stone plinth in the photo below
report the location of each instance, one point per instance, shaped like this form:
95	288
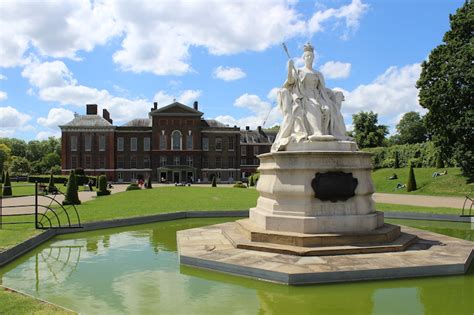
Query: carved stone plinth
288	201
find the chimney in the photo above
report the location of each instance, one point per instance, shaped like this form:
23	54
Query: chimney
259	128
91	109
195	105
247	128
106	115
155	106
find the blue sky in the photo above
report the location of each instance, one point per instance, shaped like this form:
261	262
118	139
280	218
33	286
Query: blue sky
56	56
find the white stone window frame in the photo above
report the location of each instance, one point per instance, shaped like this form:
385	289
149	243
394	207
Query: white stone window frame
88	142
231	144
243	150
133	144
205	140
120	144
163	161
189	141
102	143
146	144
73	140
162	140
218	141
190	160
177	160
176	132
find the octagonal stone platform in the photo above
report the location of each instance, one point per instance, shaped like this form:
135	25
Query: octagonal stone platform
429	254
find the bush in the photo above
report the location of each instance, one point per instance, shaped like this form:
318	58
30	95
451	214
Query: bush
411	185
51	186
103	191
214	181
239	185
388	163
133	186
439	161
7	185
396	160
72	197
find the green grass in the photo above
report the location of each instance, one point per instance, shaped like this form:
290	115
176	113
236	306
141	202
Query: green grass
166	199
452	184
13	234
16	303
28	189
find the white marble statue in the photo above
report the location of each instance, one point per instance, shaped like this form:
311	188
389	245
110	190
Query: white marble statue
311	112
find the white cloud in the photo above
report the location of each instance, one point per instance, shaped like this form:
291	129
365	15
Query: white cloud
6	133
272	95
262	111
12	118
229	73
350	14
336	70
44	135
48	74
56	117
391	93
3	77
53	28
186	97
3	96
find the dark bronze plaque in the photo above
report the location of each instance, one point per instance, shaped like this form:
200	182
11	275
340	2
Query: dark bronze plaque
334	186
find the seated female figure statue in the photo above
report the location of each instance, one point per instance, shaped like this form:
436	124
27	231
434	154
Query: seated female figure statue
310	110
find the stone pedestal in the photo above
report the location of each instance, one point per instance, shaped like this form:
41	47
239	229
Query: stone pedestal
288	202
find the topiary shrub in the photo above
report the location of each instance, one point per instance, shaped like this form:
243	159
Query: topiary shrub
439	161
7	185
239	185
72	197
97	181
411	185
396	160
51	187
214	181
103	191
133	186
251	181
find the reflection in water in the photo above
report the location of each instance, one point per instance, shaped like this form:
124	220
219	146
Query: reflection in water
136	270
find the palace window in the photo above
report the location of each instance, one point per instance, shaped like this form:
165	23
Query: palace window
205	162
243	150
146	144
163	141
146	162
133	144
255	150
176	140
231	162
177	160
231	143
218	144
101	161
133	162
205	143
120	163
120	144
218	162
162	161
73	162
87	161
190	161
87	142
73	143
189	141
101	143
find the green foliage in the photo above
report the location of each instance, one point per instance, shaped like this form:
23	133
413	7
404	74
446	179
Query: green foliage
396	162
214	181
133	186
445	89
97	181
51	186
19	166
239	184
422	154
72	197
367	133
411	185
103	191
439	161
251	181
275	129
7	185
410	129
5	153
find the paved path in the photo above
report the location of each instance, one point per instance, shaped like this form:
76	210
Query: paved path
420	200
30	201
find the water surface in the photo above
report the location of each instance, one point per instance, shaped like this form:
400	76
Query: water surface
136	270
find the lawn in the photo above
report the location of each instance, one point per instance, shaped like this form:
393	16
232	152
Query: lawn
28	189
452	184
16	303
12	234
387	207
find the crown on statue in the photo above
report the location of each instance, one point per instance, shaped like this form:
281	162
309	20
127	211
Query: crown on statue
308	47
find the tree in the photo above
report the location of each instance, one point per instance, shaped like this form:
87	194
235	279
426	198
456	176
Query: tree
72	197
148	183
366	131
19	166
445	89
396	162
5	153
17	146
7	185
51	187
411	185
214	181
411	129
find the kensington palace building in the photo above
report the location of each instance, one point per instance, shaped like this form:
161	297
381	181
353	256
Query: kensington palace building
174	144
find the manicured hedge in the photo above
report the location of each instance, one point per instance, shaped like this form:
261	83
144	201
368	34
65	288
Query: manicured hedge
61	179
419	154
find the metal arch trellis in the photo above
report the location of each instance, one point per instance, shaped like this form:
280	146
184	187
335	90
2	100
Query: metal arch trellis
43	220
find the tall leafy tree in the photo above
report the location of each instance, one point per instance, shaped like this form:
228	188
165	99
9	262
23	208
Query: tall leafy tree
411	129
19	166
4	155
446	90
367	132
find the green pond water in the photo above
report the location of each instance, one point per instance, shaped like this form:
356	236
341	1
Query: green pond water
136	270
